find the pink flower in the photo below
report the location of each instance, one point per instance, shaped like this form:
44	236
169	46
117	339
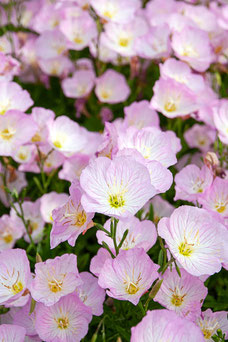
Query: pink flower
155	43
5	44
15	276
116	10
12	96
183	294
192	45
140	115
150	142
25	319
189	158
10	232
12	333
221	119
80	85
105	53
200	136
121	37
118	187
79	30
161	208
112	87
47	18
50	44
158	14
14	180
191	182
190	233
49	202
182	73
41	116
65	135
90	293
71	219
59	66
209	322
55	278
66	320
73	166
173	99
98	261
129	275
16	128
24	154
141	234
9	67
33	216
215	199
165	325
202	17
161	178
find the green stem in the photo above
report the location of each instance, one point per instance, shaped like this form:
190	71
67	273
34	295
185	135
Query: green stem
26	224
140	305
114	236
123	239
108	249
100	227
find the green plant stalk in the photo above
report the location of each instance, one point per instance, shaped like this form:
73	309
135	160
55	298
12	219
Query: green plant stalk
26	224
140	305
114	237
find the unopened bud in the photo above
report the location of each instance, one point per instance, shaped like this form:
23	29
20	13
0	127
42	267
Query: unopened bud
135	66
155	288
211	160
38	258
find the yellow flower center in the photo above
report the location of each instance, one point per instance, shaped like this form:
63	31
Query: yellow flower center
124	42
186	249
80	219
6	134
63	323
132	288
8	238
57	144
17	287
36	138
4	107
189	51
116	201
22	156
220	207
177	300
60	49
78	40
202	142
55	285
170	106
207	333
108	14
105	94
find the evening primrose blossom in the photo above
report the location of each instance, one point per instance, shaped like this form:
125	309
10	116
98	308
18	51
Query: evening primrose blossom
118	187
66	320
129	275
195	239
15	276
55	278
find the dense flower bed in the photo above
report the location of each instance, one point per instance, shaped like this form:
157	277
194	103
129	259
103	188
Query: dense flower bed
113	170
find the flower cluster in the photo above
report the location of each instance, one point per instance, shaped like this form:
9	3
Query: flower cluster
113	170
